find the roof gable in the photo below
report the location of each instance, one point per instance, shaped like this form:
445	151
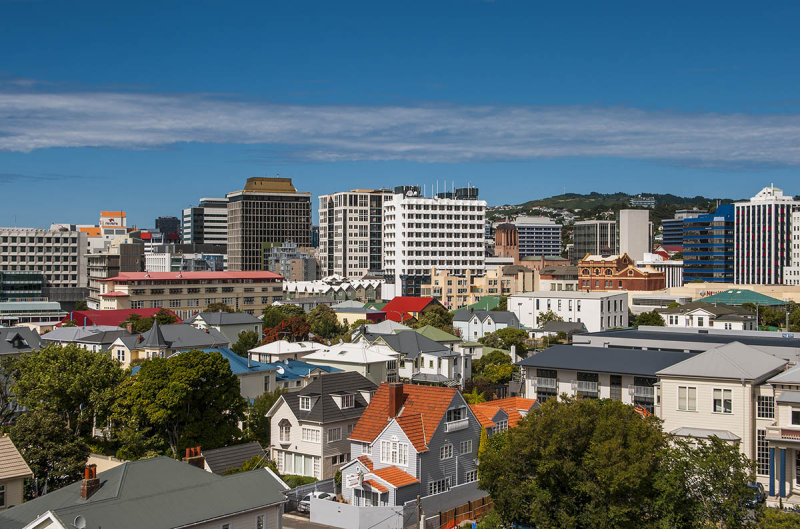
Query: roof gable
729	361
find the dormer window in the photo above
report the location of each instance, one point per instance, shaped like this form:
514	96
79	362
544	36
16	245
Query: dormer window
348	401
305	403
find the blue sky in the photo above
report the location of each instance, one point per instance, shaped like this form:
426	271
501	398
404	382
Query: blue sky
148	106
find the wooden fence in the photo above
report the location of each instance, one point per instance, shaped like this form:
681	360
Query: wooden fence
472	510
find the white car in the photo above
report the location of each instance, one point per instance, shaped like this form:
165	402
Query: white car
305	503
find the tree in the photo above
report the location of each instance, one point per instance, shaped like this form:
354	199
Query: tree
54	453
704	484
436	317
506	338
502	305
247	340
69	380
8	402
578	463
474	397
81	305
294	329
546	317
323	322
218	306
777	519
494	357
140	324
257	426
274	315
188	399
648	318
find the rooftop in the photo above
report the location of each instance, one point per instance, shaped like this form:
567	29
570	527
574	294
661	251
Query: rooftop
12	465
226	318
221	460
604	359
733	360
738	296
349	353
186	276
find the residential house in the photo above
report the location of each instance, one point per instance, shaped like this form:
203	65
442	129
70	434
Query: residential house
426	361
717	393
157	493
411	441
229	324
255	378
475	324
73	334
597	310
558	278
162	341
13	472
348	312
281	350
626	375
384	327
309	428
294	375
373	363
499	415
15	341
408	308
337	288
223	460
700	314
439	336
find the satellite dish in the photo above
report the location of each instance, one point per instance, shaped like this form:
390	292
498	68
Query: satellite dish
80	522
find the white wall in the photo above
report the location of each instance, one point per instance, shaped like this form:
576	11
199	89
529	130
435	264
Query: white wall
596	313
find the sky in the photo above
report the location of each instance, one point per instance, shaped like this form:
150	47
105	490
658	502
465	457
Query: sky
149	106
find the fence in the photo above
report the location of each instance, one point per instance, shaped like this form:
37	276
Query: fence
472	510
346	516
295	495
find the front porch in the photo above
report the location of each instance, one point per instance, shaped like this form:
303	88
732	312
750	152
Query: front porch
783	485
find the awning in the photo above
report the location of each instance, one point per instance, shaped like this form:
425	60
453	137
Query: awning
705	433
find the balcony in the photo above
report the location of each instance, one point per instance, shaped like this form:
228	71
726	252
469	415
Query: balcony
586	386
644	391
546	383
784	433
454	426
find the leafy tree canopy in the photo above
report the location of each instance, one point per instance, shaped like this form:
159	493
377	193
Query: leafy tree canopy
503	305
81	305
436	317
546	317
648	318
274	315
247	340
257	426
218	306
324	323
140	324
293	329
506	338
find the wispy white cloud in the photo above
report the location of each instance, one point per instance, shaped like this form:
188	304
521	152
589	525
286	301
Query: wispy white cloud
429	133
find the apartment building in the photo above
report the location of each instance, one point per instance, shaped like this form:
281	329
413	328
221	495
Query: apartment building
372	363
763	237
290	261
595	237
123	255
558	278
671	268
792	273
708	246
206	223
596	310
266	210
188	293
538	236
422	233
458	291
351	232
60	256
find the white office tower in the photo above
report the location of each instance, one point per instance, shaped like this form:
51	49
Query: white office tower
791	275
634	233
419	233
762	237
206	223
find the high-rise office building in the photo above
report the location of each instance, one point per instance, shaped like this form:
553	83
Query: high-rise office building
168	225
594	237
791	275
206	223
423	233
762	237
672	229
634	233
538	236
266	210
351	232
708	246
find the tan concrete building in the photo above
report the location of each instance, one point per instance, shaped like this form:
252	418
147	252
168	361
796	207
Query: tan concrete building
266	210
455	291
188	293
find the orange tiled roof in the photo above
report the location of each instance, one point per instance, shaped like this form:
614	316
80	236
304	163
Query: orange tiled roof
112	213
513	406
366	461
517	403
421	412
395	477
484	415
375	485
91	231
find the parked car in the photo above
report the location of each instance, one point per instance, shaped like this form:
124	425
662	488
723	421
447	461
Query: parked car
759	495
305	503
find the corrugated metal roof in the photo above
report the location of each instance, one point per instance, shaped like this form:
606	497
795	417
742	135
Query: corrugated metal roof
604	359
705	433
733	360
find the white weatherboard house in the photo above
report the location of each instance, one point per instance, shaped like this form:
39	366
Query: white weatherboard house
229	324
475	324
701	315
596	310
282	350
376	365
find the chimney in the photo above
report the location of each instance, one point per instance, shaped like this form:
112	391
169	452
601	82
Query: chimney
90	481
195	458
395	398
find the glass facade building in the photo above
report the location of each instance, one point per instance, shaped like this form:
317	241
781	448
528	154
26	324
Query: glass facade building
708	246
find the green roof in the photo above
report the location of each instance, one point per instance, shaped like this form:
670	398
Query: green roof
485	303
437	335
738	296
487	350
378	305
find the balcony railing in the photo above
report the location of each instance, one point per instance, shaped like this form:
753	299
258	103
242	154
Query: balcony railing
546	383
586	386
644	391
454	426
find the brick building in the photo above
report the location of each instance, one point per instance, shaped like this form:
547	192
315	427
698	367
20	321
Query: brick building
617	272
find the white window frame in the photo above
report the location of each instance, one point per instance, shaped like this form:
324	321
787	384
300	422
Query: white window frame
470	476
348	401
465	447
446	451
310	435
285	433
305	403
334	434
394	452
683	400
723	392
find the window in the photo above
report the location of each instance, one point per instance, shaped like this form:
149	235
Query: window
310	435
446	452
436	487
762	453
394	453
121	355
366	449
687	398
465	447
723	401
348	401
225	526
456	414
305	403
334	434
286	430
501	426
266	382
766	407
260	521
795	417
2	495
470	476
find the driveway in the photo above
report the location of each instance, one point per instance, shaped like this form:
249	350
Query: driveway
293	521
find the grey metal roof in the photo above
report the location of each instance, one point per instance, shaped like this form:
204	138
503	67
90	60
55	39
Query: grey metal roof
154	337
705	433
181	336
790	376
731	361
157	493
323	408
15	340
564	326
227	318
671	336
718	309
73	334
221	460
433	378
604	359
500	316
411	344
788	397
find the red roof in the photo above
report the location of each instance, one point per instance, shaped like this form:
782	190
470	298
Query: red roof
109	317
115	294
162	276
366	461
513	406
146	236
395	477
405	306
375	485
422	409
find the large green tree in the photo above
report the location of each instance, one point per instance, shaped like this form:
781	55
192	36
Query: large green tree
546	317
272	316
218	306
140	324
189	399
324	323
8	402
69	380
436	317
55	454
506	338
648	318
580	463
247	340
